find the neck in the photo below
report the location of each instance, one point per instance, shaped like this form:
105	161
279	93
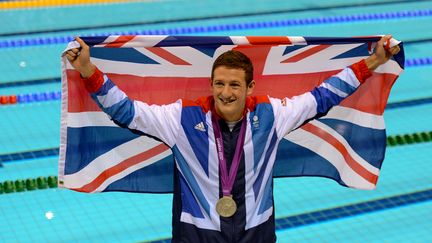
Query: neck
231	124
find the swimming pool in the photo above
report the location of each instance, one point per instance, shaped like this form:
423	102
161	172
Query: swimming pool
307	209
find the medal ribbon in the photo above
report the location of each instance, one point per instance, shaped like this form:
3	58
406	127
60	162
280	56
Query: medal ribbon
227	181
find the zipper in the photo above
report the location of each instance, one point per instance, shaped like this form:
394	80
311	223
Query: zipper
233	230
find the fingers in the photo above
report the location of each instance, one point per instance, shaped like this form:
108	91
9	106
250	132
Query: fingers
385	42
84	49
79	57
82	43
76	50
73	52
383	52
70	57
387	45
390	50
394	50
386	38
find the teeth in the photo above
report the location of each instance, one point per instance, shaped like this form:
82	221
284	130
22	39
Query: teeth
227	101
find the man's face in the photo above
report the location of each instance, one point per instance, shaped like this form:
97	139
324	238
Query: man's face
229	92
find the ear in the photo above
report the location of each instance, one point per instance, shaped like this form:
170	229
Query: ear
251	87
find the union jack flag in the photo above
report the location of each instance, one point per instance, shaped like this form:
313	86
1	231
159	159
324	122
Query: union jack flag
347	144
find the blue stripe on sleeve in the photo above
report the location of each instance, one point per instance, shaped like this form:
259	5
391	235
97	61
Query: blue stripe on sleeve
121	112
105	88
340	85
325	99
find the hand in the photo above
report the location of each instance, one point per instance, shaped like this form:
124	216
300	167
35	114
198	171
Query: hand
79	58
382	53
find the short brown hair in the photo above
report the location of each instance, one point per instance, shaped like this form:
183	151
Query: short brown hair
237	60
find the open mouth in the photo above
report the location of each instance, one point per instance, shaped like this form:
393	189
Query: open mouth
227	101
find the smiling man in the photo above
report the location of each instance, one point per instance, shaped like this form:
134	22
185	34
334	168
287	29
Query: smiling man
231	83
234	134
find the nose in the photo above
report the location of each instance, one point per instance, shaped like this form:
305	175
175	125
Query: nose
226	92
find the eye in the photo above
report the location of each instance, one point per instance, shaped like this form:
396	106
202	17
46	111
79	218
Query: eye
235	85
218	84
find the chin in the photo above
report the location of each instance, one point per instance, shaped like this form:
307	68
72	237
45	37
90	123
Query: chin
228	110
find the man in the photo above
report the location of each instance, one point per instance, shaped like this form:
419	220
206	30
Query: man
225	144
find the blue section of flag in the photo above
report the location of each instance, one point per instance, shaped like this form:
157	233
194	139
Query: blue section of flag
289	49
340	40
152	178
400	57
295	160
195	41
87	143
122	55
360	51
367	142
208	50
94	40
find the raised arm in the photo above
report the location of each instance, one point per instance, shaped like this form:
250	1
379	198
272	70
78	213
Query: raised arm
295	111
79	58
161	122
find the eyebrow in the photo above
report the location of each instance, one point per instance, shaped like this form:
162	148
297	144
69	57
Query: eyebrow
230	82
